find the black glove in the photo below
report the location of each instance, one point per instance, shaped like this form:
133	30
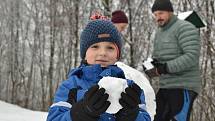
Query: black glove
129	101
91	106
159	68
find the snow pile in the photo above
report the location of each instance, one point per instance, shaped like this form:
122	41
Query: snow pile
9	112
114	87
140	79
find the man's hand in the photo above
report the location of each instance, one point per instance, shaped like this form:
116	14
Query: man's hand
159	68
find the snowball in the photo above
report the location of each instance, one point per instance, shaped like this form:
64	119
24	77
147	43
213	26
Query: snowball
140	79
114	87
148	64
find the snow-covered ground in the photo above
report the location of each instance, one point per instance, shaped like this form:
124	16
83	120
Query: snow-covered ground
9	112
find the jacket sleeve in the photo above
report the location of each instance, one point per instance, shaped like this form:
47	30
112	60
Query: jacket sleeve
189	44
60	109
59	113
143	115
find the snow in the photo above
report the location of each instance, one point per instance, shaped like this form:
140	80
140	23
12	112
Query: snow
148	64
140	79
114	87
184	15
10	112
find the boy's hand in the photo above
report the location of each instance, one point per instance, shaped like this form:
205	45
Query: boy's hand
92	106
129	101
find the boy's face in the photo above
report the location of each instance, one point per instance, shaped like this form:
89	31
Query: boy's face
103	53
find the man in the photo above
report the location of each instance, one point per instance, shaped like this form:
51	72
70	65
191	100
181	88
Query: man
120	20
176	62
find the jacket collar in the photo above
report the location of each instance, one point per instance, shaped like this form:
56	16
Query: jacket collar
95	72
170	23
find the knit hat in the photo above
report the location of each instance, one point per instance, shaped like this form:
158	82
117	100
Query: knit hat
164	5
99	31
119	16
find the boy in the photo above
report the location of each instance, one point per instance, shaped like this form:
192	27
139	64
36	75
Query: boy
79	98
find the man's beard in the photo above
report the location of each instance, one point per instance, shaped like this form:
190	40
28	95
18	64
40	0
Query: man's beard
161	23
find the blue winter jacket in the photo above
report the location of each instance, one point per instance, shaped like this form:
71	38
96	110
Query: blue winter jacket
78	82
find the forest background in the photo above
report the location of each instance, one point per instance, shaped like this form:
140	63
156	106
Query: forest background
39	44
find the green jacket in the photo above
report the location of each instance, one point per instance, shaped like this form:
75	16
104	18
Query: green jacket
178	45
